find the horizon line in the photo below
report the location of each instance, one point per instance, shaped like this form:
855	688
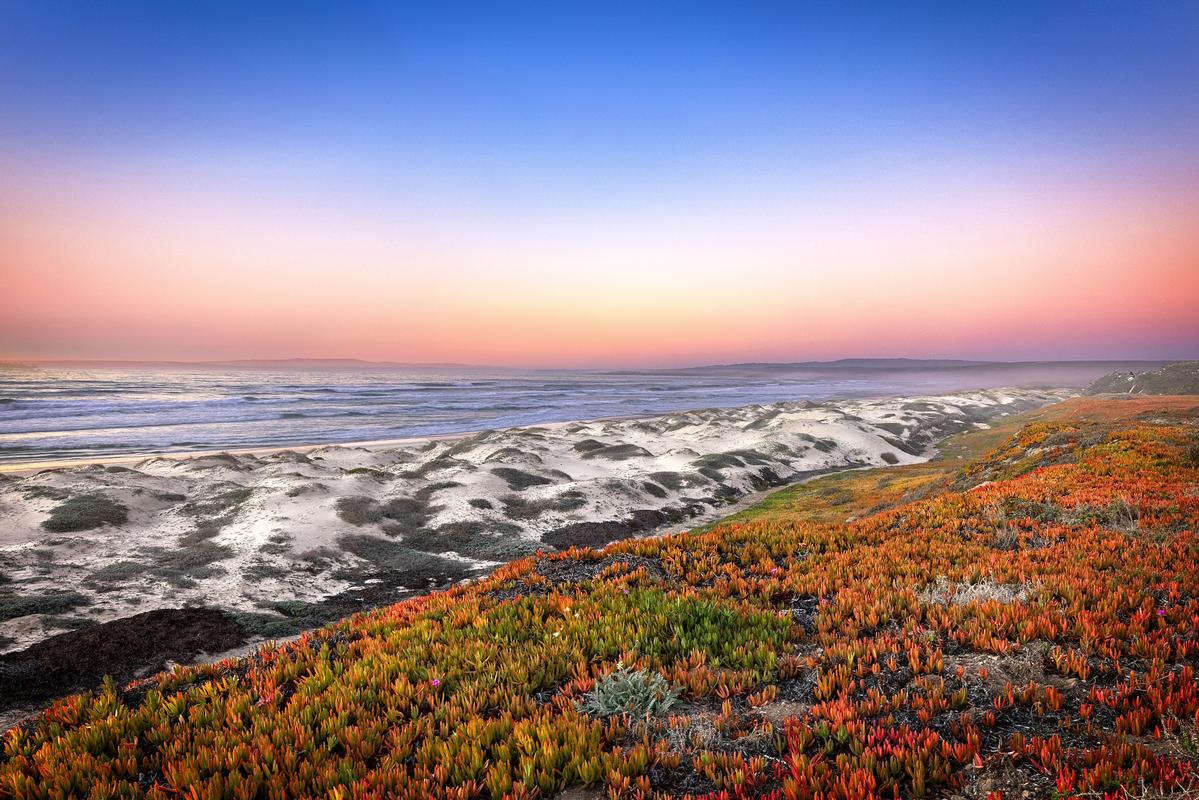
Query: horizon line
861	362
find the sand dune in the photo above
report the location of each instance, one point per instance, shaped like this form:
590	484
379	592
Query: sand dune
278	537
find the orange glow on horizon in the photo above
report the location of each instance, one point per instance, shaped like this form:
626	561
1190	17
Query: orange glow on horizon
122	269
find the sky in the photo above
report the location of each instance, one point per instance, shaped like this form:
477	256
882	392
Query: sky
599	184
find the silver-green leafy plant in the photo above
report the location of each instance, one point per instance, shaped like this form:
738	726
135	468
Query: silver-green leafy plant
637	693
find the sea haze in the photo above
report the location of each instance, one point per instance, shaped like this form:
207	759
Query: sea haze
59	413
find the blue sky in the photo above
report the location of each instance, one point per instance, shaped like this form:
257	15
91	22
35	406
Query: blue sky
604	83
524	124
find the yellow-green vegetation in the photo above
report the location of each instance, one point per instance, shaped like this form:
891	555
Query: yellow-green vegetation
1028	613
850	494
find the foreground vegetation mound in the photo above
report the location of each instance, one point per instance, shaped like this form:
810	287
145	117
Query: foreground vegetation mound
1179	378
1030	626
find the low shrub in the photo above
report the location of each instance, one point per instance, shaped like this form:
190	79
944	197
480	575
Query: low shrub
519	480
13	606
358	510
114	575
84	512
222	504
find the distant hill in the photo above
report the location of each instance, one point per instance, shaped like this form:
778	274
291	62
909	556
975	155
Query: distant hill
923	375
1179	378
838	364
904	364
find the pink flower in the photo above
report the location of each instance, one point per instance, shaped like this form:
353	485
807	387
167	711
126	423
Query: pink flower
435	682
1161	612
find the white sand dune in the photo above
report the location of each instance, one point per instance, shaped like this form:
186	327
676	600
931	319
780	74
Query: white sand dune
250	533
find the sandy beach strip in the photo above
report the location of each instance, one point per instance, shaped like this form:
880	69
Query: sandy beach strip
23	468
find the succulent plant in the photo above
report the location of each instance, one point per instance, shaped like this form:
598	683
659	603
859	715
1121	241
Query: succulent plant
636	692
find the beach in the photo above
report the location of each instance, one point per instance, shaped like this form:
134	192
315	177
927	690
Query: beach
57	415
287	538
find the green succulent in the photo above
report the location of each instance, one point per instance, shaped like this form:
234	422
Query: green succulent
638	693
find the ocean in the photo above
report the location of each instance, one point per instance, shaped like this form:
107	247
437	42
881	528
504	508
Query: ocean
63	413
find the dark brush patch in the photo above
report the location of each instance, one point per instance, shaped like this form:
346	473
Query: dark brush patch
821	445
115	576
671	480
358	510
402	514
521	508
425	492
307	488
369	472
579	570
407	513
438	464
45	493
654	489
618	452
492	541
902	445
513	455
220	504
519	480
183	566
124	648
752	457
13	606
85	512
598	534
717	461
220	460
761	422
390	556
464	446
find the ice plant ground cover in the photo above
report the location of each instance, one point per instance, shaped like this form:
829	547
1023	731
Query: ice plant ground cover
1022	619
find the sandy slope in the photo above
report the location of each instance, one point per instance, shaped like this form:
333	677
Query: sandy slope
249	532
